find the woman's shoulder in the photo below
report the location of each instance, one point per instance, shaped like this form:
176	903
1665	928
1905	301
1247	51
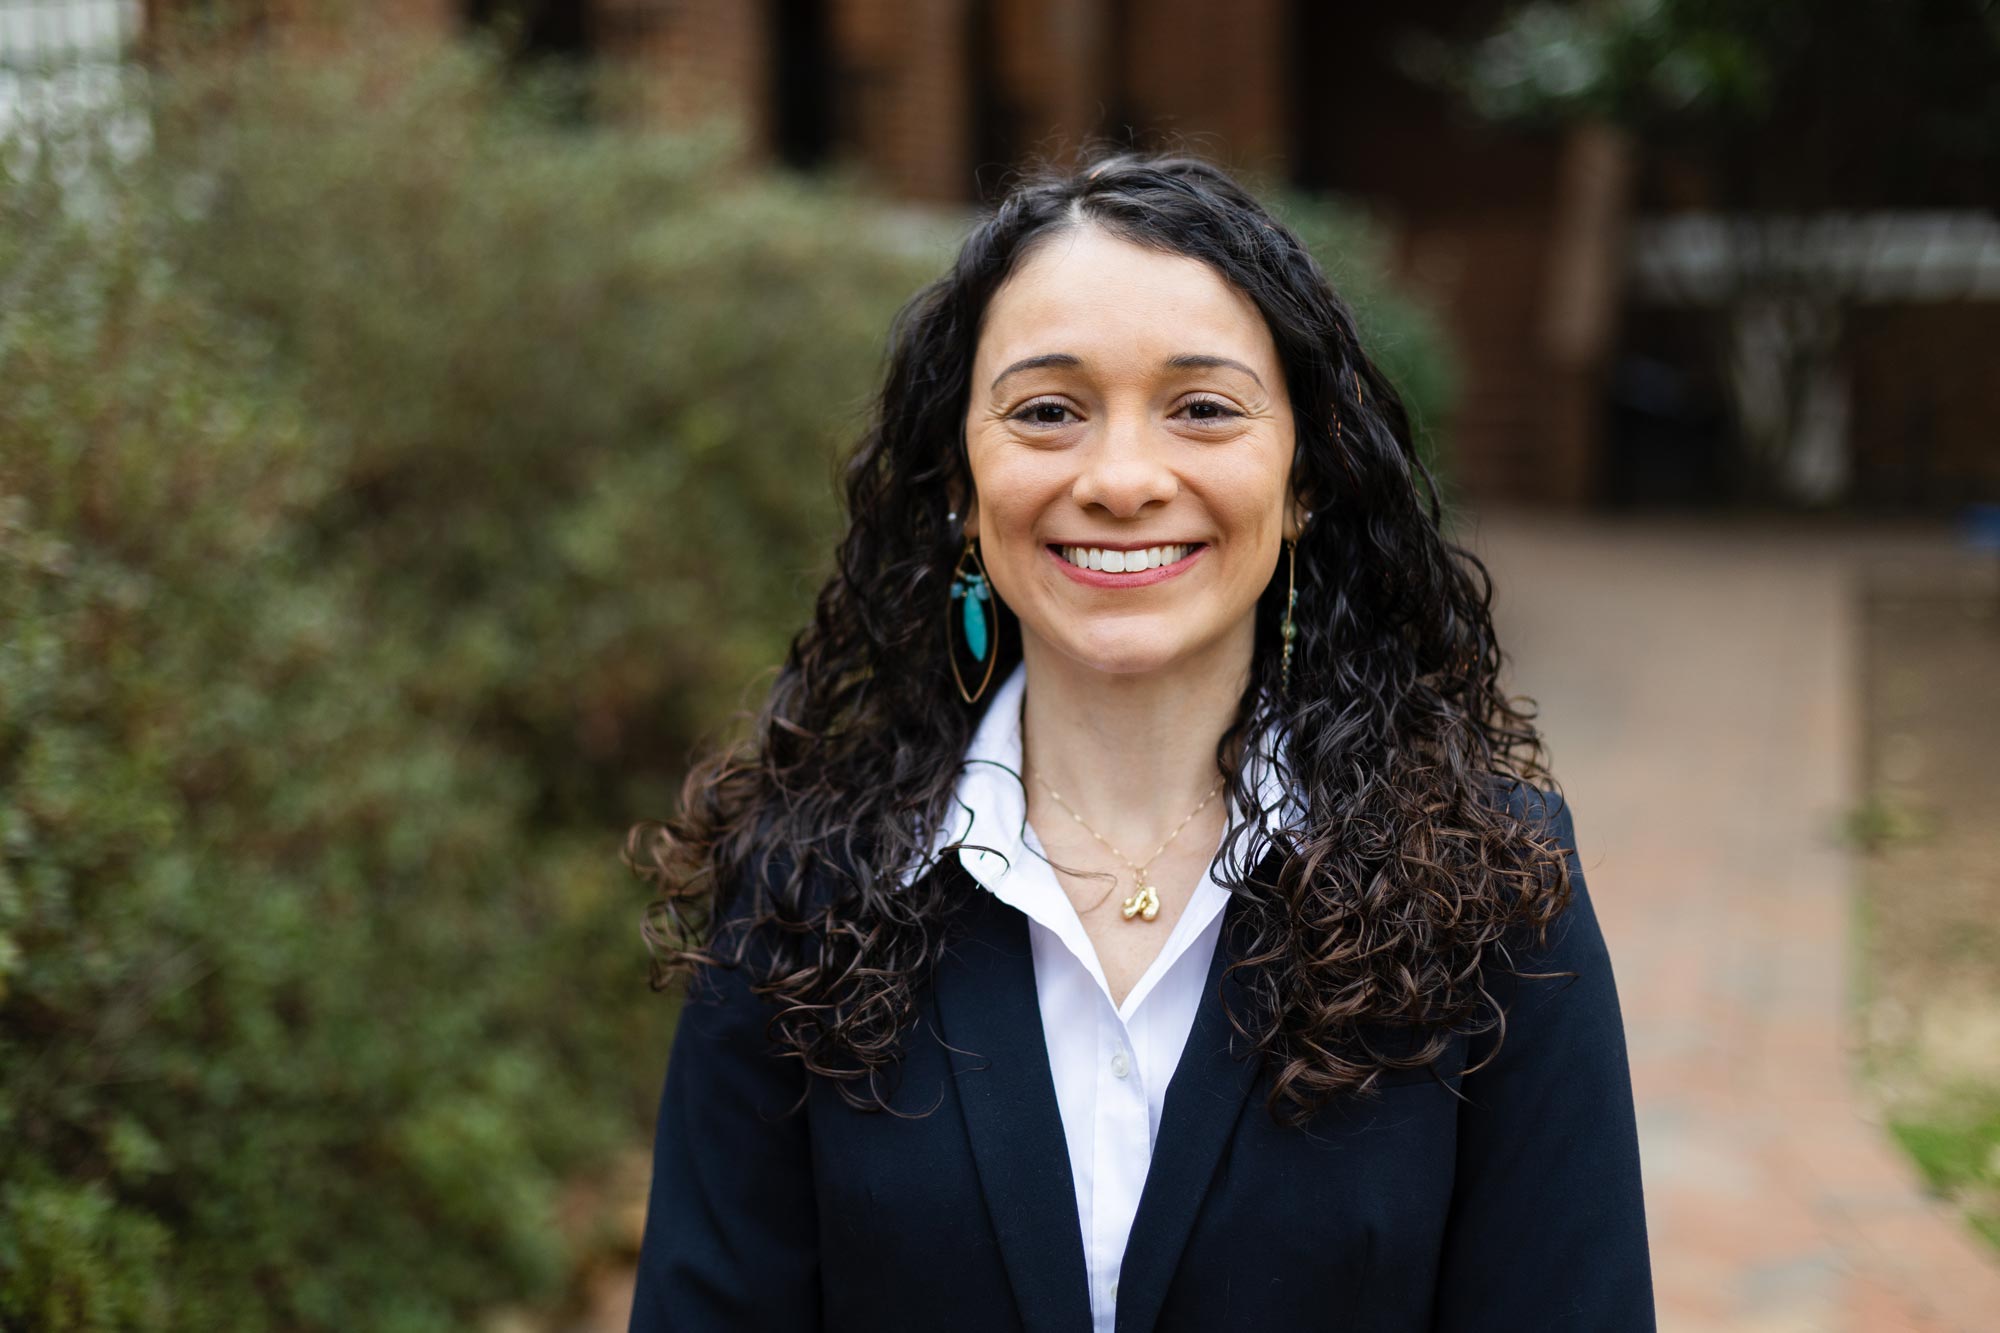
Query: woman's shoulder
1554	966
1543	809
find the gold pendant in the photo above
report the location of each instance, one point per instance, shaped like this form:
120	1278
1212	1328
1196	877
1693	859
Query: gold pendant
1143	903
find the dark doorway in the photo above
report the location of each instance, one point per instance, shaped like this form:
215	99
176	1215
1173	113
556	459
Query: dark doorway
994	128
803	114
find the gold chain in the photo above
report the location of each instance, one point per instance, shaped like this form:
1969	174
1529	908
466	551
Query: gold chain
1143	903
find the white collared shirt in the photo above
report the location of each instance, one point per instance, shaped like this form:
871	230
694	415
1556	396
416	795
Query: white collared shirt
1111	1063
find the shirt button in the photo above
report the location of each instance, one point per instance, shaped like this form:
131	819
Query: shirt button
1120	1065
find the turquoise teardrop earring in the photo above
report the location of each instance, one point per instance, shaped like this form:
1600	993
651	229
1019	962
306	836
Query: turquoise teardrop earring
972	599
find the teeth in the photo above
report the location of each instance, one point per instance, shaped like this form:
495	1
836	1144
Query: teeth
1124	562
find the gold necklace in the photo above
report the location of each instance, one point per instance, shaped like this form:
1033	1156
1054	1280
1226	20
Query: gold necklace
1143	903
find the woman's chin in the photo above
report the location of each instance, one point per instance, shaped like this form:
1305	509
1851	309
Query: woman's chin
1127	655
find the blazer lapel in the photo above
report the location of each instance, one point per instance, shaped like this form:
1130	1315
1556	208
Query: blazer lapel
992	1021
1203	1101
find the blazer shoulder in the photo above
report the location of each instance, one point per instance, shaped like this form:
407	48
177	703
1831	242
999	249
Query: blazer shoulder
1559	972
1540	808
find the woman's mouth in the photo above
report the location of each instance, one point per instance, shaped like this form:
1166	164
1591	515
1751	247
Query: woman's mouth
1117	567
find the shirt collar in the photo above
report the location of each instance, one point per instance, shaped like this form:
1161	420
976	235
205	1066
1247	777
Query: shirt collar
989	814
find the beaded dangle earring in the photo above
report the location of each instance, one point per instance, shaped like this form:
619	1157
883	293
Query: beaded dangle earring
972	602
1288	628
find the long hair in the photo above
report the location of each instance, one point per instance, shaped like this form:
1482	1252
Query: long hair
1403	877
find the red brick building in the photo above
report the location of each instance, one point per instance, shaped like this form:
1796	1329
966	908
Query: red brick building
1514	239
1520	241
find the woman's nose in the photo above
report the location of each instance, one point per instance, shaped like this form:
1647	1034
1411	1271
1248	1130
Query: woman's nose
1123	470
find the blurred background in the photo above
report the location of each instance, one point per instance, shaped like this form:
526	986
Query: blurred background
417	424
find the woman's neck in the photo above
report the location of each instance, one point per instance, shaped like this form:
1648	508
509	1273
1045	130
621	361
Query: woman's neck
1131	753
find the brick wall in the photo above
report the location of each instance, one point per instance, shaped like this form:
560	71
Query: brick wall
1213	72
1924	401
936	100
689	60
903	66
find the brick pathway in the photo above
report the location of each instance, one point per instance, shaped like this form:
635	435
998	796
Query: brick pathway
1697	690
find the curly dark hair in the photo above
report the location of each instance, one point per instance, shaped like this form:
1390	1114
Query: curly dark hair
1406	875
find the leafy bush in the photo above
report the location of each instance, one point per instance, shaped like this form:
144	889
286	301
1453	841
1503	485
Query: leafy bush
1954	1138
586	388
392	486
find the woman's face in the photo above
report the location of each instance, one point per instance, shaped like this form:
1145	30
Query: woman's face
1131	441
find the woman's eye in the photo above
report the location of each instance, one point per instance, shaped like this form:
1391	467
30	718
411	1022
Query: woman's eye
1208	409
1052	412
1048	412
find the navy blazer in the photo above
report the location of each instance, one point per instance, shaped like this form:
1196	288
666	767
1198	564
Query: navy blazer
1516	1208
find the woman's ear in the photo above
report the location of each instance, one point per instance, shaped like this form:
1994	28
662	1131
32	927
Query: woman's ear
963	513
1296	517
964	495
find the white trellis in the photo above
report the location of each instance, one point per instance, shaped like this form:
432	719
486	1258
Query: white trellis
1785	284
62	54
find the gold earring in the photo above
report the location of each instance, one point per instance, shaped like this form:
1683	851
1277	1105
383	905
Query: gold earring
979	617
1289	629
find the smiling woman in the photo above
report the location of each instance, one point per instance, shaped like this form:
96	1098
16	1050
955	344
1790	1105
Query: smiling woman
965	1051
1121	440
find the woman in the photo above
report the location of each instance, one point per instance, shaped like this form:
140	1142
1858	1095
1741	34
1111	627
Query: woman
1138	907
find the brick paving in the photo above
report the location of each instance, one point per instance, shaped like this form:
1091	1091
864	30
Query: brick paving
1698	691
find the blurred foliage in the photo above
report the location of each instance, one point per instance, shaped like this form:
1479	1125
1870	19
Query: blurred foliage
1956	1144
1630	61
1881	821
1404	338
1792	101
396	483
392	489
532	349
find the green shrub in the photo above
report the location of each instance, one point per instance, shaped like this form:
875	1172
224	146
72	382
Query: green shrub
586	388
1954	1138
392	487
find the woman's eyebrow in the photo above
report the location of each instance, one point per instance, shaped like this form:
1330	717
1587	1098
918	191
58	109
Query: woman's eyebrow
1197	361
1185	361
1037	362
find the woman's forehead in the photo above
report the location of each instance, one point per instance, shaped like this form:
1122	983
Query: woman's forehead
1103	299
